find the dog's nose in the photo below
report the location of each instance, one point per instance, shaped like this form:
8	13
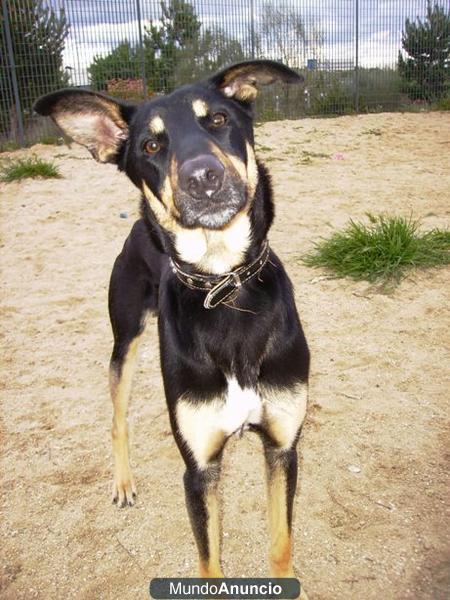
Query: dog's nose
201	176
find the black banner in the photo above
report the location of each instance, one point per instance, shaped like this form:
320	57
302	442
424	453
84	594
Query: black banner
250	588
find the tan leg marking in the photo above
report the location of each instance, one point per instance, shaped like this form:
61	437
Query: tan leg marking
205	425
284	411
212	567
200	425
124	488
280	536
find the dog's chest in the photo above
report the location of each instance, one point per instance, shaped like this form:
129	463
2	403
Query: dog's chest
242	407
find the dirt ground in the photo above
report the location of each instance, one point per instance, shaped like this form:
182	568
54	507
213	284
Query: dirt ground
371	513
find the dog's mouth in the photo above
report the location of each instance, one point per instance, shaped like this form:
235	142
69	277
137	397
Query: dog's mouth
212	211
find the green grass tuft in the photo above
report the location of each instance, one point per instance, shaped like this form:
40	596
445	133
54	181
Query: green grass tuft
376	132
9	146
262	148
51	140
22	168
442	104
308	154
382	251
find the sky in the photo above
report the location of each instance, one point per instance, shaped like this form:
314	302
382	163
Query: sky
97	26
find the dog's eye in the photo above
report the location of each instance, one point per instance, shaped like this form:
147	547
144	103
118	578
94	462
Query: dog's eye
218	120
152	147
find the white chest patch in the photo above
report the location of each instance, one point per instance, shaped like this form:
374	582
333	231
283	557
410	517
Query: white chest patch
242	407
206	425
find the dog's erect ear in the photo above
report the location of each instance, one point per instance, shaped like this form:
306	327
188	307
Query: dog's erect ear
243	80
93	120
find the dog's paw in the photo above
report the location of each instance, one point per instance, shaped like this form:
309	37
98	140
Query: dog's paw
124	492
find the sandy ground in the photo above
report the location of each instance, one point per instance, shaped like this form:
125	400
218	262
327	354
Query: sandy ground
378	402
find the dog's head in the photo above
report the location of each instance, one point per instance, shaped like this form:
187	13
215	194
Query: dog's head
190	152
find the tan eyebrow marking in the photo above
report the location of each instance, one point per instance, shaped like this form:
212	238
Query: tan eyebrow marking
156	125
200	108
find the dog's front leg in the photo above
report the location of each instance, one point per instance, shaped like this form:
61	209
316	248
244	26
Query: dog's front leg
284	413
128	299
281	468
201	440
120	382
200	486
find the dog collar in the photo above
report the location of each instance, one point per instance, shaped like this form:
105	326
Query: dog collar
221	287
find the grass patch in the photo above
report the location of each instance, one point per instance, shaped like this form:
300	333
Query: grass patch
307	154
306	157
23	168
382	251
442	104
51	140
376	132
9	146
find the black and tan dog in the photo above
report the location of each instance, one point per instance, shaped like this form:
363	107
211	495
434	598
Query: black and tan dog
233	354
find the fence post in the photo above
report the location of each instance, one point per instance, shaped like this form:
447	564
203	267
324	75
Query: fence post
357	56
141	47
252	28
12	66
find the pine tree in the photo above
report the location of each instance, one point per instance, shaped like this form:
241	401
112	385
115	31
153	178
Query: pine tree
426	68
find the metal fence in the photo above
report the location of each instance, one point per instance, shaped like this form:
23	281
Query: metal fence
356	55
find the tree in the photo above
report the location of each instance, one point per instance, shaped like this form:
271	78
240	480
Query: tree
38	34
426	67
163	46
281	31
208	53
120	63
179	28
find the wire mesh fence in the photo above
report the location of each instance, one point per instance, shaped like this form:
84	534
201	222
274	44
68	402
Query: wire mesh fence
355	55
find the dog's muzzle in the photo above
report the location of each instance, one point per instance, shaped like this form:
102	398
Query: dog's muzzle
208	195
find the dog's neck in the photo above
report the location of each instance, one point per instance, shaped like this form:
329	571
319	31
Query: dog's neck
214	251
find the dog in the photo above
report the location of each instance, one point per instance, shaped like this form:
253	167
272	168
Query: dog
233	353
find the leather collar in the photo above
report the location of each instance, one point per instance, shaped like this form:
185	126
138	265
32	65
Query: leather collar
221	287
